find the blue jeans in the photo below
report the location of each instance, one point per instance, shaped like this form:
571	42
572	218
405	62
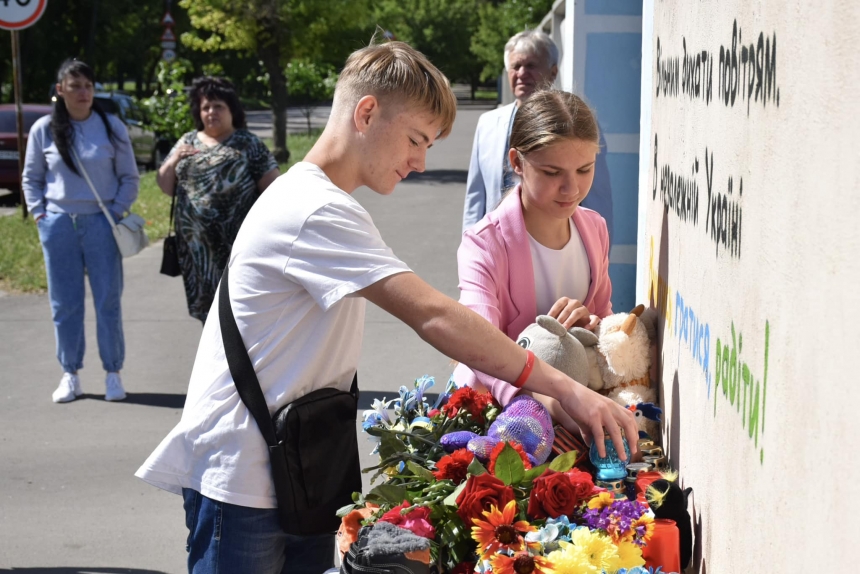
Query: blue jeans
228	539
71	244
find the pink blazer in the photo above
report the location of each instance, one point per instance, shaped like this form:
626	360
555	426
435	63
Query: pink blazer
497	277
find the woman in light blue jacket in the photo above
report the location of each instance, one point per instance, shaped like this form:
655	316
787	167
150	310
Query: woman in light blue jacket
75	234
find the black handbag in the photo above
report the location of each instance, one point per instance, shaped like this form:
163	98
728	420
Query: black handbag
170	257
313	445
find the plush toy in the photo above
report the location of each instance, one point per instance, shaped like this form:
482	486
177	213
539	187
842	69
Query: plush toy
668	500
572	352
524	421
624	356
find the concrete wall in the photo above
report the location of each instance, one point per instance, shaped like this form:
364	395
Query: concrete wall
600	43
749	191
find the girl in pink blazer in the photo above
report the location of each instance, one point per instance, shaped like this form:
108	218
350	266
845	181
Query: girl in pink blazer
539	252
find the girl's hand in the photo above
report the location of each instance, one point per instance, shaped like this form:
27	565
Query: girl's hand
572	313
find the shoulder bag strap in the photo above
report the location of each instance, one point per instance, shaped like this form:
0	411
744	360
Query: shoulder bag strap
172	207
80	166
241	368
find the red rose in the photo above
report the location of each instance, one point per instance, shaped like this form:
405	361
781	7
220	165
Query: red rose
454	466
497	450
582	483
552	496
417	520
481	492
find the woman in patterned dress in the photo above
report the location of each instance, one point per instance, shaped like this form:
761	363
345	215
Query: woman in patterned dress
217	173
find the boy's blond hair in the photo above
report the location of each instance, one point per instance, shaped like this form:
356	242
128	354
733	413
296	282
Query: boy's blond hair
397	72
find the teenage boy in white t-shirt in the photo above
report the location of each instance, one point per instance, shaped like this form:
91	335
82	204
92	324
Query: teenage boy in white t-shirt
306	258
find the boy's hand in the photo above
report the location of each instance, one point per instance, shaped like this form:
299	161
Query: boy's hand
597	415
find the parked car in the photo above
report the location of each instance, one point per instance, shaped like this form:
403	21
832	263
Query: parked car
150	148
10	174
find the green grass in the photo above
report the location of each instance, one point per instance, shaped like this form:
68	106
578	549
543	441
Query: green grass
22	269
21	266
481	94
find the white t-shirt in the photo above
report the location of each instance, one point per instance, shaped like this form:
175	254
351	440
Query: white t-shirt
561	272
304	247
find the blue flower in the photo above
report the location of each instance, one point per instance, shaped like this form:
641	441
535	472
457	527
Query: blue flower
641	570
377	415
547	536
421	386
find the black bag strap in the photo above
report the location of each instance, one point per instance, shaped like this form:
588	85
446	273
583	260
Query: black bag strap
241	368
172	204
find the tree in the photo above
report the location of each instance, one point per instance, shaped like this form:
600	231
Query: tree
309	84
440	29
498	22
273	30
169	108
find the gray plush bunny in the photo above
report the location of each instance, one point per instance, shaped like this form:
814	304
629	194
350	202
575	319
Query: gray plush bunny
573	352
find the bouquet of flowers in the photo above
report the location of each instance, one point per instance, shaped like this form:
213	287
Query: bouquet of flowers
490	505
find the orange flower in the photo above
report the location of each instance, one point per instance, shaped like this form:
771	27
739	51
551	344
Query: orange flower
520	563
500	530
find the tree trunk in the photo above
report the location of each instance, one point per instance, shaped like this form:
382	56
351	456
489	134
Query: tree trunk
278	84
91	40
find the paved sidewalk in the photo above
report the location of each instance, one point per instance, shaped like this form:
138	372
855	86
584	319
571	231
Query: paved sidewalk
69	502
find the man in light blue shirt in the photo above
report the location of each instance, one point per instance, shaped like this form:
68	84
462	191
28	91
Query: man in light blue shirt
531	62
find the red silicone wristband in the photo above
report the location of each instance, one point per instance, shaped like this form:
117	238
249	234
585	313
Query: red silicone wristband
527	370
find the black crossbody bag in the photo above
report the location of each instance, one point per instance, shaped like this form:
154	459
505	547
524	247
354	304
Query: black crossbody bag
312	441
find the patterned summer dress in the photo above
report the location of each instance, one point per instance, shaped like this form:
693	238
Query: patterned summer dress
215	189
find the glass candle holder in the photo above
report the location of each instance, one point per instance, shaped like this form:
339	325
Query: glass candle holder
609	467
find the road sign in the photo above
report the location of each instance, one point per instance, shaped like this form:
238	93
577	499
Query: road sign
168	45
168	36
167	19
168	55
20	14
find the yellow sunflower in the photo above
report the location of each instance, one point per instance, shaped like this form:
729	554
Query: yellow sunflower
601	501
647	521
499	530
521	563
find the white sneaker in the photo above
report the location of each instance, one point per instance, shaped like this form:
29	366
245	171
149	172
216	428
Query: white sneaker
113	388
69	389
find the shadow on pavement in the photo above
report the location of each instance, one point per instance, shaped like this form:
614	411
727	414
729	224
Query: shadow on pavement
167	400
79	570
438	176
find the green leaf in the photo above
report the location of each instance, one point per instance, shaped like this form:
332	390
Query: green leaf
535	472
509	466
564	462
451	500
387	493
420	471
344	510
475	467
390	445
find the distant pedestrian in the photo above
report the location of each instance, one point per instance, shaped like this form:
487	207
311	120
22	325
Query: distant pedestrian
531	62
75	234
216	172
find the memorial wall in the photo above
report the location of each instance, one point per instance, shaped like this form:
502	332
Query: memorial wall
749	249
